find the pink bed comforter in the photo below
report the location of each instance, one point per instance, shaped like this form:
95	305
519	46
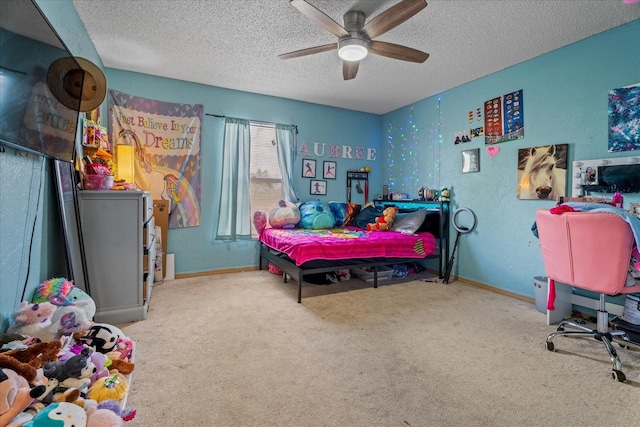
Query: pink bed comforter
304	245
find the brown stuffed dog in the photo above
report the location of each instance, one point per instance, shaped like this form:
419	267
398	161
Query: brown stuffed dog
27	362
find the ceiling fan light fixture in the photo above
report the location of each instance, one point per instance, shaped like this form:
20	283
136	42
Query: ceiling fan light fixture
352	49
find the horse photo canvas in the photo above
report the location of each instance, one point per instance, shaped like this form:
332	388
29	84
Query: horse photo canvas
542	172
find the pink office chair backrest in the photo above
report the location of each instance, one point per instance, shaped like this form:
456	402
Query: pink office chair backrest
589	250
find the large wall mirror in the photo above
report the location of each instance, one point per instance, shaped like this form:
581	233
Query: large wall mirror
66	186
606	176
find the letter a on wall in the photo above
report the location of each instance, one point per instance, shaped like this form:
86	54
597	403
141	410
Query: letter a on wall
166	150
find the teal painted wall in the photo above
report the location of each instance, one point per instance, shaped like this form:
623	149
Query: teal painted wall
31	246
565	95
565	102
194	248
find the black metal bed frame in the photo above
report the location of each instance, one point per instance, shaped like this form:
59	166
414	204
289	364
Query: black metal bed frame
289	266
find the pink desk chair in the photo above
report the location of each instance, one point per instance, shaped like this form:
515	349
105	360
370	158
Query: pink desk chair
588	250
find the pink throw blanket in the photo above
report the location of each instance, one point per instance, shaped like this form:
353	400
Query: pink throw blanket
304	245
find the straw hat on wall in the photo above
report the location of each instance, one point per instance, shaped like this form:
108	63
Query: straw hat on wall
82	88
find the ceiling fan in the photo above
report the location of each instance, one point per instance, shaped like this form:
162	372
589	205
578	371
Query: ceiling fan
355	39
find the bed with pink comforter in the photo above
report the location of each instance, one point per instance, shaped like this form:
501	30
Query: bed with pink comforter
301	251
302	245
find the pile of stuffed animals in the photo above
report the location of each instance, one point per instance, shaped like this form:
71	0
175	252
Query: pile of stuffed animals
57	365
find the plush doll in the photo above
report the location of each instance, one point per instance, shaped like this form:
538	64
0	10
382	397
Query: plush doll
113	387
103	418
15	395
444	195
260	220
25	370
315	215
30	318
29	361
103	337
121	366
384	221
58	415
65	321
77	295
284	215
109	414
75	372
55	289
62	292
101	362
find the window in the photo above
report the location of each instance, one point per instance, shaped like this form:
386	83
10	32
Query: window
265	177
256	173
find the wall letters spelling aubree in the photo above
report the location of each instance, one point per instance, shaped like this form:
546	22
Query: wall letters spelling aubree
339	151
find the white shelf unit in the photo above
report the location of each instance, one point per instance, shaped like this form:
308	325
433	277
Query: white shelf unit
118	236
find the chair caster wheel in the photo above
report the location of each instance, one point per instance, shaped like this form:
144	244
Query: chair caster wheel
550	346
618	375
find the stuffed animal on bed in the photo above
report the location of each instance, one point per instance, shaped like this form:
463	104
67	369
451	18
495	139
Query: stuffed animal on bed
284	215
315	215
260	220
384	221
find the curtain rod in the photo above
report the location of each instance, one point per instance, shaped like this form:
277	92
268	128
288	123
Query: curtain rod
254	121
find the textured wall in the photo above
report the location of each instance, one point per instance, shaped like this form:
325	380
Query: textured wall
30	239
565	102
194	247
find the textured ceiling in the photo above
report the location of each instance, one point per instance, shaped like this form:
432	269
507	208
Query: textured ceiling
235	43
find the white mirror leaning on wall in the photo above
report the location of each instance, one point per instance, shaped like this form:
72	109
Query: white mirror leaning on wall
606	176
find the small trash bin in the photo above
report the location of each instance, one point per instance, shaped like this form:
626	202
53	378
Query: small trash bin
541	285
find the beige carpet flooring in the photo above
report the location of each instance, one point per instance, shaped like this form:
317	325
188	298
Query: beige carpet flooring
238	350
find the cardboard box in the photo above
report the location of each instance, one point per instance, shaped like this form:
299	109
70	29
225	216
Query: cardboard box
161	214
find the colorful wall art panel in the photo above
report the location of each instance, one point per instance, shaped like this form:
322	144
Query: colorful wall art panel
504	118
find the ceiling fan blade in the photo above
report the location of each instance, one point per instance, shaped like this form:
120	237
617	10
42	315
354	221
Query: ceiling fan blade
350	69
319	17
309	51
392	17
396	51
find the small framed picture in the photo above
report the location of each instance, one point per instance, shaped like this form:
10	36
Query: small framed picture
471	160
308	168
329	170
318	187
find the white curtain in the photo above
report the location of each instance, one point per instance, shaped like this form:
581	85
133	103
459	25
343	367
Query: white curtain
286	142
234	219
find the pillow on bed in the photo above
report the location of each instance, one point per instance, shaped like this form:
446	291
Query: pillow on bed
284	215
344	213
367	216
409	223
431	223
315	215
